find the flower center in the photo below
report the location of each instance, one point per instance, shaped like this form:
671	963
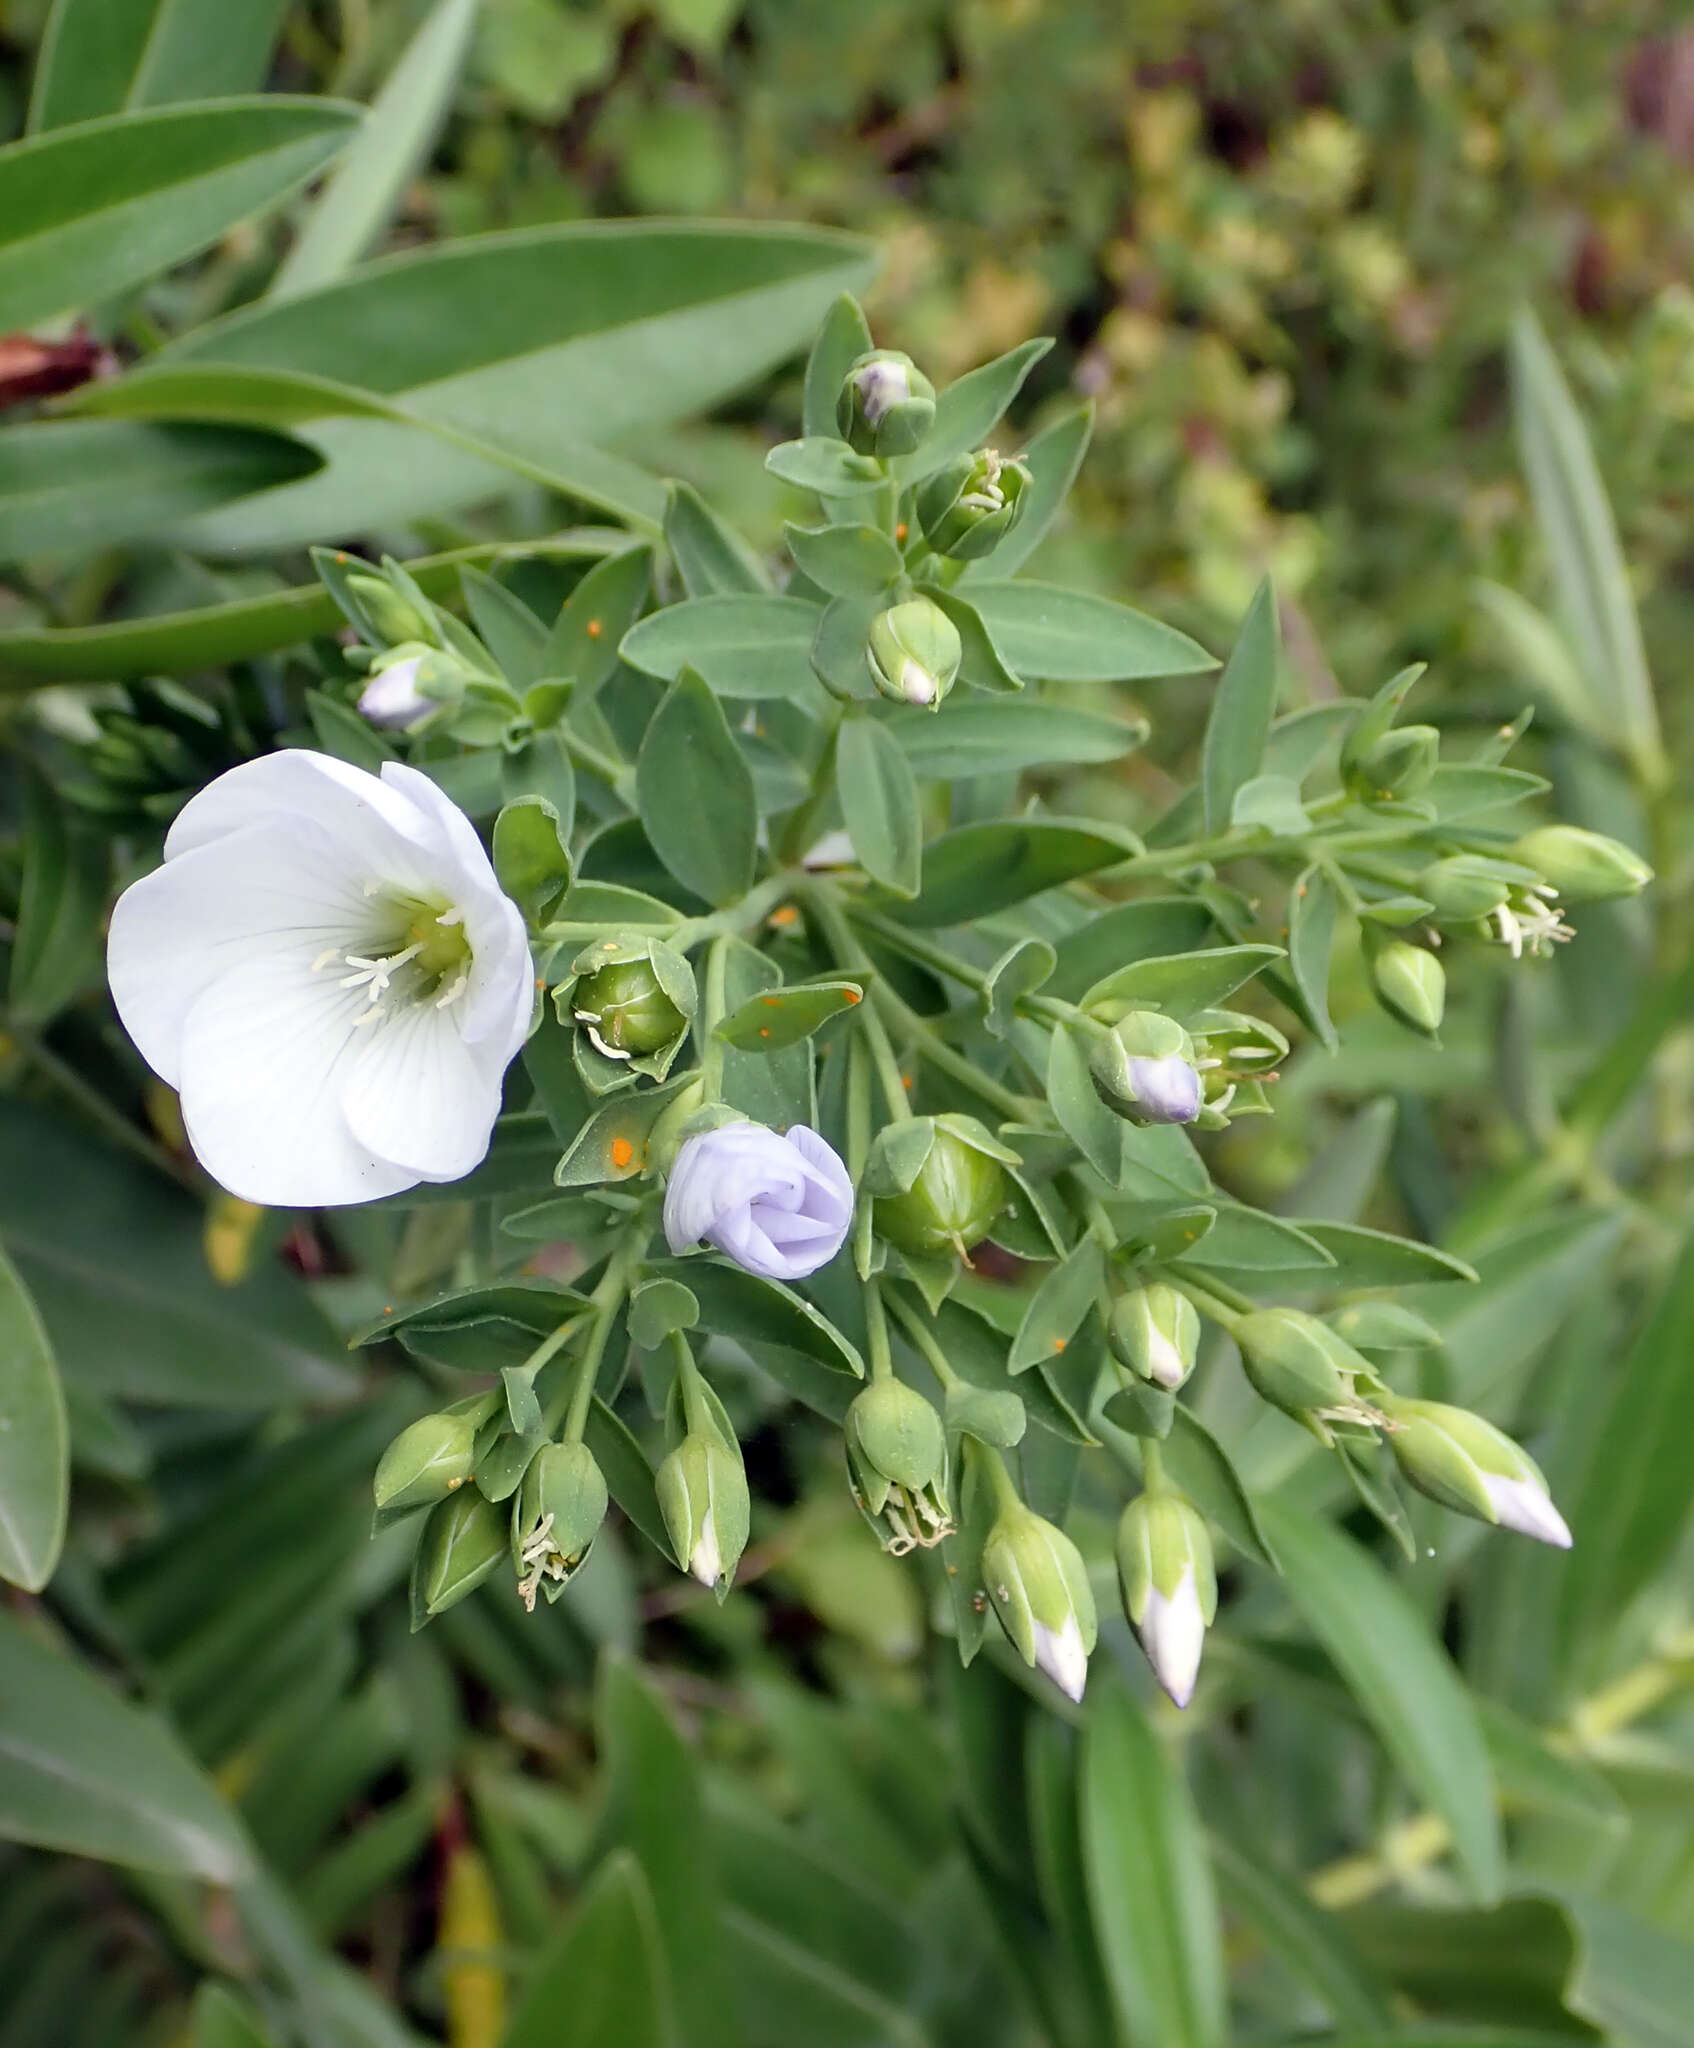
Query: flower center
418	953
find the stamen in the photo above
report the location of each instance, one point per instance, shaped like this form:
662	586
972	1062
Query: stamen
454	916
454	991
376	973
328	954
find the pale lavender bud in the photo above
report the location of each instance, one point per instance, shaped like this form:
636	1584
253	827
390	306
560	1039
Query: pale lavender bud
392	698
780	1205
1165	1091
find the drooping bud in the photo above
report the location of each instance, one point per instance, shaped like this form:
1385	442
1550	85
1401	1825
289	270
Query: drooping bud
556	1517
427	1461
1155	1331
1584	867
970	504
1170	1587
1399	765
951	1200
393	618
1465	1463
1143	1069
1298	1364
897	1464
887	404
463	1541
914	651
703	1497
1463	887
1410	983
1038	1585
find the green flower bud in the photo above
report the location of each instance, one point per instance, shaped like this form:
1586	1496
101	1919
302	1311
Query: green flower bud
953	1202
1298	1364
633	998
1410	983
1399	765
393	618
1170	1585
1155	1331
1144	1071
1465	1463
1586	867
625	1011
887	404
914	652
897	1464
462	1543
1463	887
555	1518
703	1497
427	1461
1038	1585
970	505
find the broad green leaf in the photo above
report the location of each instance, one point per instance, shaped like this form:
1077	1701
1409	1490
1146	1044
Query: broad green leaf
1202	1468
1023	968
847	561
842	339
368	186
1461	790
34	1442
1312	910
689	749
612	1145
87	1772
879	803
764	1315
989	736
1058	1306
711	559
506	626
1233	750
654	1810
1053	459
66	875
978	869
629	1477
1311	1945
542	344
87	212
1149	1884
969	409
1248	1241
744	646
773	1086
1589	575
1182	983
1083	1117
659	1307
1063	635
593	903
784	1016
1400	1676
604	1982
1633	1979
116	56
1376	1258
584	641
88	484
1156	926
981	665
827	467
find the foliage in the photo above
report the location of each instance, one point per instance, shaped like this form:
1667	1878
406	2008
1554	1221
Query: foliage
1433	1782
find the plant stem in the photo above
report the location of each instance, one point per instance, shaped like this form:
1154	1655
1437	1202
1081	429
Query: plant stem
825	911
876	1330
923	1340
106	1116
713	1000
1212	1303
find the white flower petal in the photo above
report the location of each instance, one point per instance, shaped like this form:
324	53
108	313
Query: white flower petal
376	825
1173	1634
1522	1505
706	1564
1063	1656
266	1051
417	1098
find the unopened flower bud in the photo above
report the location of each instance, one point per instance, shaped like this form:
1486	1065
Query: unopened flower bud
703	1497
394	619
1155	1331
1465	1463
914	651
463	1541
1143	1069
634	999
1400	764
427	1461
1170	1586
1298	1364
1410	983
1584	867
1463	887
887	404
897	1463
1038	1585
970	505
953	1202
556	1517
392	698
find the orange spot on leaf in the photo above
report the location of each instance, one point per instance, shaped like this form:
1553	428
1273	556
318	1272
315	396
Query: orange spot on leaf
900	531
853	996
622	1152
1058	1343
764	1031
595	629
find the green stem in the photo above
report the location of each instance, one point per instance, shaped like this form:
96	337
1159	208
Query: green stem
106	1116
876	1329
694	1409
606	1300
1153	1466
1006	1497
924	1340
825	912
713	1003
1209	1296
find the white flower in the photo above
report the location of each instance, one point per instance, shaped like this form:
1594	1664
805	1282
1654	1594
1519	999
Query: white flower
392	697
328	973
1173	1633
1522	1505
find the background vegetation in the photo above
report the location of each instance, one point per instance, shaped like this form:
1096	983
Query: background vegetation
1283	250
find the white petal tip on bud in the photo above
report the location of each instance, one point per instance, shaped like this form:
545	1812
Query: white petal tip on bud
1062	1656
917	685
705	1564
1173	1634
1522	1505
1164	1361
392	698
882	385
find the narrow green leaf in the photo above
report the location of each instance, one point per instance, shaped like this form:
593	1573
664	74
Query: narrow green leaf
629	1477
1633	1979
1202	1468
585	638
34	1441
1401	1678
782	1017
1182	983
1149	1884
1377	1258
1311	1945
1064	635
711	559
604	1981
1057	1307
842	339
506	626
970	408
1312	910
847	561
879	803
829	468
1233	749
978	869
531	857
116	56
981	666
991	736
56	950
1083	1117
688	748
744	646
